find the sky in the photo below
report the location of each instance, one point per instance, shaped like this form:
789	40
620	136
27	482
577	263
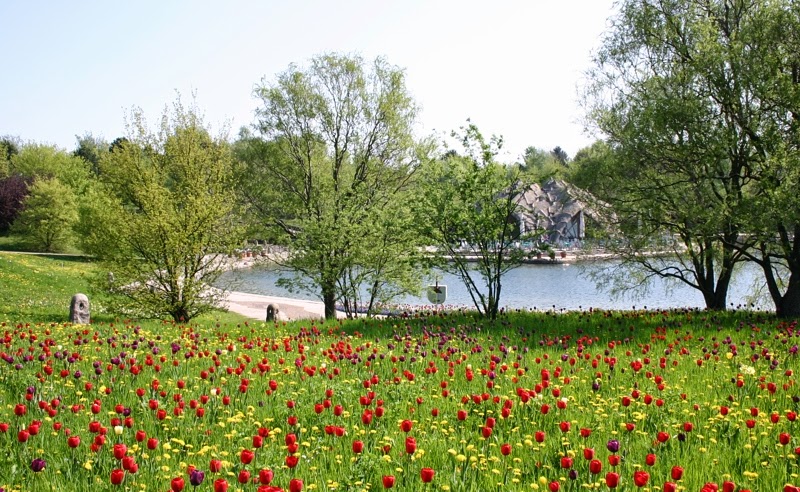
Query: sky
513	67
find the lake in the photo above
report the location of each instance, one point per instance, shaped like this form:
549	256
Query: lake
542	287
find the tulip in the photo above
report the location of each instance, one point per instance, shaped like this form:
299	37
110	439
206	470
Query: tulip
426	474
650	459
640	478
38	465
539	436
74	441
220	485
243	477
215	466
411	445
670	487
265	476
358	447
246	456
117	476
486	432
295	485
291	461
406	426
588	454
566	462
784	438
505	449
677	473
728	486
613	445
176	485
613	459
553	486
120	450
388	481
196	477
612	480
595	467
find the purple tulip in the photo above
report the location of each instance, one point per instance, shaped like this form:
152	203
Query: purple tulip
613	445
38	465
196	477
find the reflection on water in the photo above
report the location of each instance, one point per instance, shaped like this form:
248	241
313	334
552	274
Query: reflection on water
543	287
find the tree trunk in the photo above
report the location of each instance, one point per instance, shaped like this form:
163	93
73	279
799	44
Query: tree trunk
788	305
329	299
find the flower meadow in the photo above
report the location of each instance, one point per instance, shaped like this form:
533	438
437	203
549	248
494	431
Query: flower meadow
667	401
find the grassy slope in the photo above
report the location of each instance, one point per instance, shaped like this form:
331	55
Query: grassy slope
38	288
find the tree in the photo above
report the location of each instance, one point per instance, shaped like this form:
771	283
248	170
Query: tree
91	149
676	90
337	150
560	155
39	161
539	165
9	147
591	168
167	215
466	207
48	215
13	190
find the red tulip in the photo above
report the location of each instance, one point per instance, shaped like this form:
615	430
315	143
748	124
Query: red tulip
566	462
426	474
539	436
640	478
677	473
462	415
670	487
650	459
505	449
358	447
265	476
295	485
120	450
612	480
406	426
388	481
117	476
486	432
74	441
215	466
246	456
784	438
243	477
258	441
595	467
411	445
220	485
553	486
291	461
663	437
152	443
177	484
23	436
613	459
564	426
728	486
588	454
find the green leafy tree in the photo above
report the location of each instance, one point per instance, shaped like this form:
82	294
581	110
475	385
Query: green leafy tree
91	149
49	213
466	208
39	161
539	165
679	89
335	152
165	223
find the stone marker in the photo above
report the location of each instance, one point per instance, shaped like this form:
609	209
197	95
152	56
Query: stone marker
272	312
79	310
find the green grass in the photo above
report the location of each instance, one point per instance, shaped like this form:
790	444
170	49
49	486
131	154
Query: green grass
38	288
